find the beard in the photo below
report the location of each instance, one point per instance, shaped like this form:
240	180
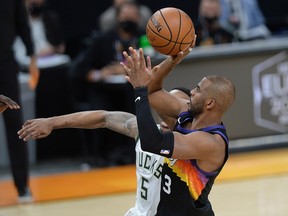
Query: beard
196	109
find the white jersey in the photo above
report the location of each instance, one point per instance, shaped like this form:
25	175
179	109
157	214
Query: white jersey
148	170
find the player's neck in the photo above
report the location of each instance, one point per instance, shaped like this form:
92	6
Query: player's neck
204	120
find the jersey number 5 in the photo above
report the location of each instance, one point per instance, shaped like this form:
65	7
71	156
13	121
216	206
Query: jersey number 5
144	189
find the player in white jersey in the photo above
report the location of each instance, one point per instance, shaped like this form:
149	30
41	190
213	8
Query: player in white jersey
148	171
148	165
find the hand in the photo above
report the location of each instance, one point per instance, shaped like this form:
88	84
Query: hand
6	102
181	55
138	74
35	129
34	73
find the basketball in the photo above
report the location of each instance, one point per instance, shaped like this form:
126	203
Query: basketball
170	30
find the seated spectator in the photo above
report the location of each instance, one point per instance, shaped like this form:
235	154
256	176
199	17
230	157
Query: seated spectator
107	18
98	81
208	29
46	31
243	19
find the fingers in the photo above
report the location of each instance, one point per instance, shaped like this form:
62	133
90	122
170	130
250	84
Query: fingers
194	42
135	67
29	130
181	55
149	65
142	58
27	133
131	61
12	104
125	68
128	60
24	133
28	122
135	57
5	101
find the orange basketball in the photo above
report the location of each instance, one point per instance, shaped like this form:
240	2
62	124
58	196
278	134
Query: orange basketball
170	30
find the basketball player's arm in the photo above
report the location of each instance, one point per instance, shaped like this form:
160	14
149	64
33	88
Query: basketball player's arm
170	106
160	71
121	122
197	145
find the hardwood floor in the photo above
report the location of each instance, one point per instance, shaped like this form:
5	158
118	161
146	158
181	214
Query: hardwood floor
253	183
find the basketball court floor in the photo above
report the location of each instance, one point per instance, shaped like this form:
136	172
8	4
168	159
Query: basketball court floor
251	184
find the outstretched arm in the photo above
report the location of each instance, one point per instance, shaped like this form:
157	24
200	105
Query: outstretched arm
165	67
121	122
156	90
170	106
6	102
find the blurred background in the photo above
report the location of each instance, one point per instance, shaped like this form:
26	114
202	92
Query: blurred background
80	18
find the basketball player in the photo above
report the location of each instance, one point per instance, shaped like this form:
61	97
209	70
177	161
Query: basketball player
148	165
198	150
6	102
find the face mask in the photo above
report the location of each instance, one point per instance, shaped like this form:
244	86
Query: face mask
128	26
35	10
211	20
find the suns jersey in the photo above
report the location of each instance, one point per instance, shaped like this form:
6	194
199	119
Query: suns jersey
185	187
148	170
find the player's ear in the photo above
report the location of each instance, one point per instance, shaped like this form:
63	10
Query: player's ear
210	103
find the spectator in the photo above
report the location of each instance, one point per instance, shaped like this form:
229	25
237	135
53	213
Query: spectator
14	21
106	19
208	28
243	19
97	74
46	31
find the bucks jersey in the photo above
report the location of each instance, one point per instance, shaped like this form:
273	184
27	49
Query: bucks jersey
148	170
184	186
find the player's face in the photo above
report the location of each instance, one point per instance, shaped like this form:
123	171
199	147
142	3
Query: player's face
198	97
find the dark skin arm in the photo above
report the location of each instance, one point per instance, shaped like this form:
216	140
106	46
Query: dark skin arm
121	122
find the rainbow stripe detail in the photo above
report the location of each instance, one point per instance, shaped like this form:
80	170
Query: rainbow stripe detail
189	174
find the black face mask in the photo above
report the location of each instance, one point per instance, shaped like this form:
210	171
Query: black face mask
128	26
210	20
35	10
